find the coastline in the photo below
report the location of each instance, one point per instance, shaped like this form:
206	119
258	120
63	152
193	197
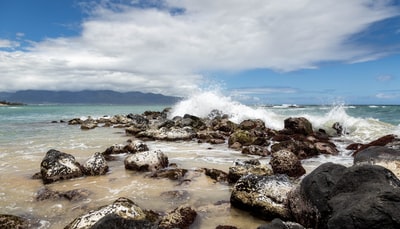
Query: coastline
191	154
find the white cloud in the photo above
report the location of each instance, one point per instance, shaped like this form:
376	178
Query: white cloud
153	50
8	44
264	90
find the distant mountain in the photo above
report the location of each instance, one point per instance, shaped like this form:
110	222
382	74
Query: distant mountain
87	97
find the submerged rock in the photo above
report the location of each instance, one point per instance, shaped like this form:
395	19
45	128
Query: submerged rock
279	224
95	165
263	196
71	195
146	161
57	165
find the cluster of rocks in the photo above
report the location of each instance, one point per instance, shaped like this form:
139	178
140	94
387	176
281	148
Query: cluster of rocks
365	195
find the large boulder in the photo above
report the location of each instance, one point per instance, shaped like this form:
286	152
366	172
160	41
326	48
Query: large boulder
380	155
95	165
146	161
57	165
122	207
285	162
333	196
298	126
244	137
263	196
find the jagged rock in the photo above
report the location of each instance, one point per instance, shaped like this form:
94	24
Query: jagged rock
285	162
181	217
326	148
216	174
122	207
338	127
75	121
333	196
298	126
380	155
95	165
146	161
57	165
133	147
88	125
71	195
263	196
242	168
251	124
305	147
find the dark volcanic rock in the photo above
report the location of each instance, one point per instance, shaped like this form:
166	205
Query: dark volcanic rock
95	165
57	165
380	155
279	224
333	196
382	141
263	196
298	126
255	150
285	162
114	221
170	173
122	207
182	217
146	161
216	174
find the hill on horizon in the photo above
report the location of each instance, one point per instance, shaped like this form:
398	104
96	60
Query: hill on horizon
87	97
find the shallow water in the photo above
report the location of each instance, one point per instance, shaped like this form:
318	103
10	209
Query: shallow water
26	134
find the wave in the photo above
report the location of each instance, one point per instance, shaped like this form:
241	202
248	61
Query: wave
357	129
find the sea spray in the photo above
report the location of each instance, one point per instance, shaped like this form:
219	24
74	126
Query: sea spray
355	128
202	104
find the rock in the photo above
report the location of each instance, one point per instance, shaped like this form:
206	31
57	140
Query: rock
255	150
71	195
193	121
57	165
225	227
165	134
338	127
333	196
216	174
182	217
251	124
146	161
242	168
298	126
114	221
88	125
326	148
170	173
263	196
380	155
122	207
279	224
75	121
12	222
305	147
138	119
285	162
133	147
243	137
382	141
95	165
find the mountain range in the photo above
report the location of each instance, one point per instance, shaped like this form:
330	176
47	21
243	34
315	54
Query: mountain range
87	97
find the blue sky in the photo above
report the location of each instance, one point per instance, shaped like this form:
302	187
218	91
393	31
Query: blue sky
256	51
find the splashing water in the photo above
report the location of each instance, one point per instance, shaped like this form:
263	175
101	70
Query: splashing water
357	129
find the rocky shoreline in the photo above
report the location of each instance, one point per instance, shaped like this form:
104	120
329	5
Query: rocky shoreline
365	195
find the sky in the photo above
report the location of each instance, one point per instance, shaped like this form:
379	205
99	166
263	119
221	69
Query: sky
255	51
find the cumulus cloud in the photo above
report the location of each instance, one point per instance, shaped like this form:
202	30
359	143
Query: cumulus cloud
166	47
8	43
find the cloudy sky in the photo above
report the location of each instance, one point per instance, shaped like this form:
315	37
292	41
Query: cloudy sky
257	51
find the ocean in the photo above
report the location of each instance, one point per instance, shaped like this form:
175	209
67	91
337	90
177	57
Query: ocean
28	132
